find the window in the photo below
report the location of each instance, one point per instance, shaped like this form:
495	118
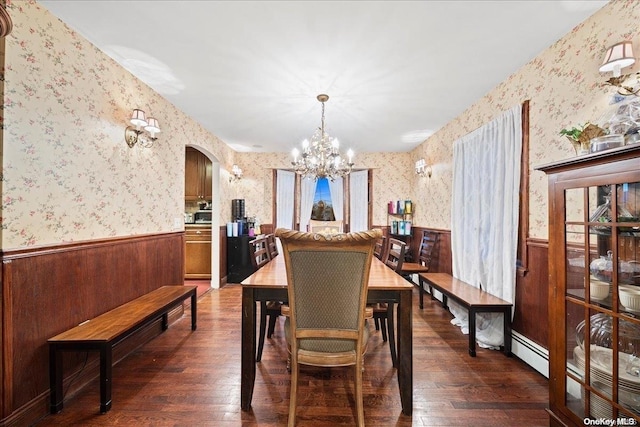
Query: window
322	207
322	200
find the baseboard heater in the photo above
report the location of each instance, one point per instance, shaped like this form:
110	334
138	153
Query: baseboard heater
531	353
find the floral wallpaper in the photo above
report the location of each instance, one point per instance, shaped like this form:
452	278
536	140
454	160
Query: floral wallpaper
67	173
565	89
69	176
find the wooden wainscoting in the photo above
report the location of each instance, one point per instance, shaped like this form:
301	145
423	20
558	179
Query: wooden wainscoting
531	317
47	290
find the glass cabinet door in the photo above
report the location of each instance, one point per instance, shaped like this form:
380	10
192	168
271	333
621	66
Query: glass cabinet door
602	301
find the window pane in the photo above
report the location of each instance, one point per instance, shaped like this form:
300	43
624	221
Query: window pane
322	204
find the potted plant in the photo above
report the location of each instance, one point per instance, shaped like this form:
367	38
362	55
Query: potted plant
581	135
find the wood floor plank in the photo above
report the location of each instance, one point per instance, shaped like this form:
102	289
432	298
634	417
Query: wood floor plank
182	378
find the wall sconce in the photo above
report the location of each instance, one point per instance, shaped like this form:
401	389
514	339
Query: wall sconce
422	169
619	56
143	130
6	25
236	174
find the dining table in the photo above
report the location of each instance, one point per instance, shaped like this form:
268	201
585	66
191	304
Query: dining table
269	283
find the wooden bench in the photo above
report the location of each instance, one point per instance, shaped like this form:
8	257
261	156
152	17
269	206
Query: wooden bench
475	300
105	331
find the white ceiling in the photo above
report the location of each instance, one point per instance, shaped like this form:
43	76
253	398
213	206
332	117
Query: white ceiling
249	71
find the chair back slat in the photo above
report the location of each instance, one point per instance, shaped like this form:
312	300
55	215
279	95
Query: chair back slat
272	245
259	251
395	254
379	249
429	241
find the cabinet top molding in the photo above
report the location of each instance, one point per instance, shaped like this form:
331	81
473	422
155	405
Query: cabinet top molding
606	156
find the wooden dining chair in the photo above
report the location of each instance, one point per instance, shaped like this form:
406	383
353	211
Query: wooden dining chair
327	279
269	310
272	245
259	251
395	253
383	312
272	308
427	245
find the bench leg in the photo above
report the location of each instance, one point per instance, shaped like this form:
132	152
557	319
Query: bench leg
106	372
431	292
194	311
507	332
421	286
165	321
444	302
472	332
55	379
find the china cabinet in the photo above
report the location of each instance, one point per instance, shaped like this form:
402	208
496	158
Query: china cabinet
594	287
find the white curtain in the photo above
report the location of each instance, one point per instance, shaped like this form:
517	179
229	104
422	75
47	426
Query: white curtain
307	194
336	188
359	200
285	190
484	216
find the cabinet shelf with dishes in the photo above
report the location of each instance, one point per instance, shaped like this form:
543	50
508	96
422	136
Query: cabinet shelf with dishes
594	287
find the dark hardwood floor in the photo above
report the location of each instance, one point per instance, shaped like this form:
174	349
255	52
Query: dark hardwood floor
184	378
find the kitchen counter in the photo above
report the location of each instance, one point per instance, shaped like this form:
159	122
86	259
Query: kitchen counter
197	226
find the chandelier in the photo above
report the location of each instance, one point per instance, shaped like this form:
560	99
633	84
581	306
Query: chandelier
321	157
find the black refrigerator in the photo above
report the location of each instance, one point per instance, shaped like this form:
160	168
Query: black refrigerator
239	265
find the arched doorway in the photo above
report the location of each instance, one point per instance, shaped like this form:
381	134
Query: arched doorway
213	178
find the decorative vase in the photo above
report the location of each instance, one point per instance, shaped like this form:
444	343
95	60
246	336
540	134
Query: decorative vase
583	148
590	132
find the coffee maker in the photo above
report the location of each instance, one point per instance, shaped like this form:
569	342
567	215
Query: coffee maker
251	222
238	215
